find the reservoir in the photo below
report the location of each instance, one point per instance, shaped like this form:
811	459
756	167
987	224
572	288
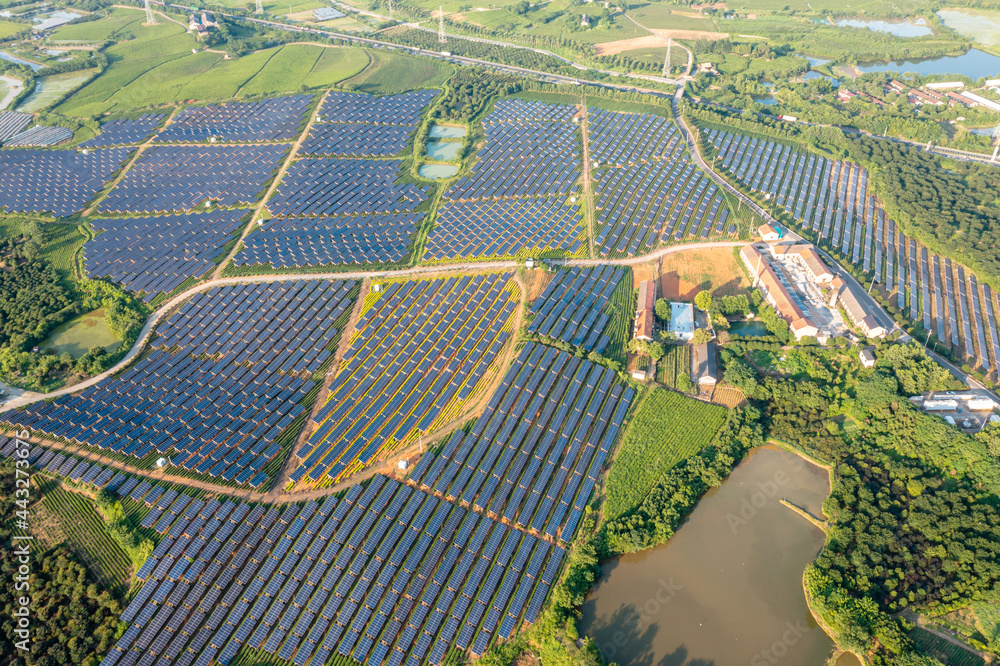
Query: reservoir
34	66
446	132
973	63
443	151
727	588
896	27
436	171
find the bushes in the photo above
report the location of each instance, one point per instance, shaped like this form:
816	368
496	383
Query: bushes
121	528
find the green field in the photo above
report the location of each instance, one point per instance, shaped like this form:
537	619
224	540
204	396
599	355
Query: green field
979	26
140	78
7	29
676	361
619	330
663	17
61	242
666	429
988	619
85	533
944	651
861	7
117	23
390	73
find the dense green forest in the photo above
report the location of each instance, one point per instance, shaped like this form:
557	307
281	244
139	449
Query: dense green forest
72	620
32	302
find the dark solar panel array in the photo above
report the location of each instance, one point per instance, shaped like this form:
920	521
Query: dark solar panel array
403	109
359	125
651	192
152	255
290	242
275	119
503	228
623	139
572	307
535	454
385	575
40	136
221	383
524	155
60	182
420	347
13	123
344	187
168	178
88	473
125	131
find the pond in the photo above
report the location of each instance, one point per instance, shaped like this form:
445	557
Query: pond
983	131
979	26
443	151
727	588
809	76
48	89
447	132
973	63
79	335
753	327
896	27
437	171
18	61
770	100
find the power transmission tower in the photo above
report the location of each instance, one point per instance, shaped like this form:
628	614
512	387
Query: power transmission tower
260	6
390	10
666	63
441	36
150	17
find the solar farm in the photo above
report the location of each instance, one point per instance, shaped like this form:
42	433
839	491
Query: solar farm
517	196
60	182
831	199
162	252
125	131
573	307
223	380
359	125
419	350
276	119
647	192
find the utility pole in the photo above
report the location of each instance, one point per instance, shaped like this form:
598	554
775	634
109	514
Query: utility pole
390	10
666	63
150	17
441	36
260	6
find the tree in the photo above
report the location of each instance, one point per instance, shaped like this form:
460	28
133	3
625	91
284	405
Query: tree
703	300
684	382
662	308
701	336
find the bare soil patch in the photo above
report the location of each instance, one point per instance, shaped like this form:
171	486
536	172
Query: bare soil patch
641	273
658	39
684	274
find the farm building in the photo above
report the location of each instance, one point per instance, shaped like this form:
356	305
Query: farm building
645	311
775	292
807	255
843	295
769	233
681	320
703	365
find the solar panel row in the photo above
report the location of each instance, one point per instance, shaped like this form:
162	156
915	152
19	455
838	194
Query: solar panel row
272	119
125	131
420	349
221	384
572	307
59	182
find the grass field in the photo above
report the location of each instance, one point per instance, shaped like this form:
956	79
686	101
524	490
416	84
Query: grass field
676	361
664	17
666	429
118	21
61	242
944	651
390	73
138	82
988	619
7	29
74	518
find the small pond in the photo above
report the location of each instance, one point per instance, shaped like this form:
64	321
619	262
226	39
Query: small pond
79	335
447	132
753	327
18	61
443	151
973	63
437	171
897	28
982	131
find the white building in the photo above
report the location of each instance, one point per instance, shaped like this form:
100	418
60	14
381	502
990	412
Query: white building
681	320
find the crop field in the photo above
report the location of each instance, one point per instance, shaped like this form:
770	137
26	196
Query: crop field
341	576
663	17
430	343
945	651
831	198
646	192
621	309
118	21
390	73
988	619
85	533
676	361
7	29
666	429
212	346
535	454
